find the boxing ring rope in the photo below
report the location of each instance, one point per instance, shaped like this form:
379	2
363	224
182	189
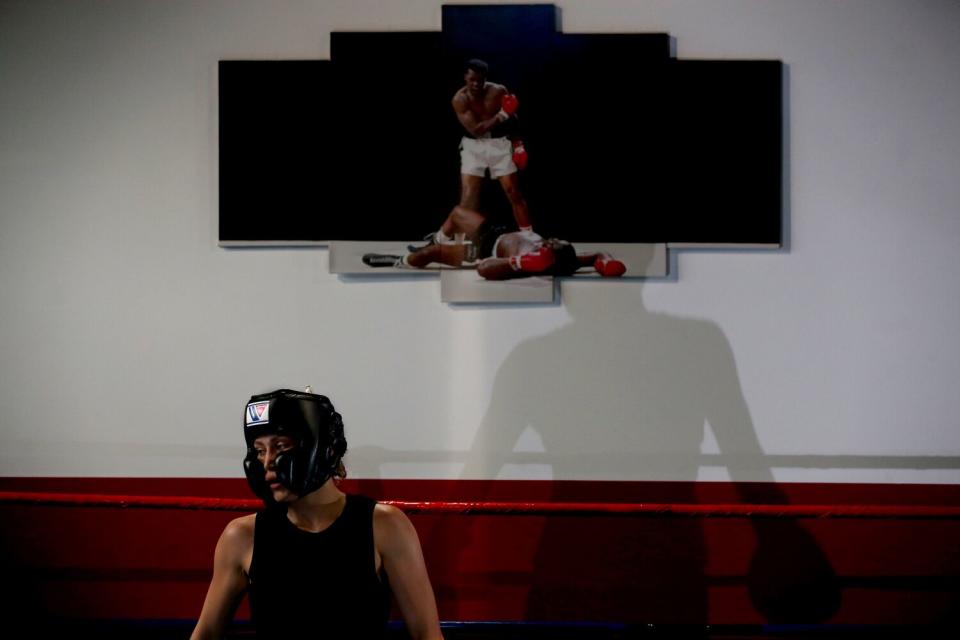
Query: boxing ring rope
936	512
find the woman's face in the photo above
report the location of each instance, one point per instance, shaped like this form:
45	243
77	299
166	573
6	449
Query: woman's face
267	449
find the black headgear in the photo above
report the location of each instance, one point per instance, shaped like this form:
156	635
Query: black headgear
317	431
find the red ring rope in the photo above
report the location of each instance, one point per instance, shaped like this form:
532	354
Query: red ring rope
507	508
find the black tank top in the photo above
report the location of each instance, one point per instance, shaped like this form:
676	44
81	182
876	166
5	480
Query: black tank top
317	585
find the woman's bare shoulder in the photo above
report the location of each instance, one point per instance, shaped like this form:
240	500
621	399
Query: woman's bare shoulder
387	513
239	532
392	528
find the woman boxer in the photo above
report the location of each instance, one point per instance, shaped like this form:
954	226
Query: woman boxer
316	562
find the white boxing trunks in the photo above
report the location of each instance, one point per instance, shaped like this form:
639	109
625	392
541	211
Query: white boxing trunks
479	154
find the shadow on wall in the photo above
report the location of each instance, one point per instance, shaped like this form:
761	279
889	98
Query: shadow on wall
609	403
613	403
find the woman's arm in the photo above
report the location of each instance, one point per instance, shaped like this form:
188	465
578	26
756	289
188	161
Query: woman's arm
229	582
402	558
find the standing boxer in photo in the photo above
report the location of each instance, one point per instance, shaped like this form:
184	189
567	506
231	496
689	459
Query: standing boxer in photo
484	108
316	562
487	111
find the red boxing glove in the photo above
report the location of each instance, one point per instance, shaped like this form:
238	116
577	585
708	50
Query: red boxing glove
609	267
509	104
534	262
519	155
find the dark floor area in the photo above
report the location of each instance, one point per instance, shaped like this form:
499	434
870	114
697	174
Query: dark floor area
162	630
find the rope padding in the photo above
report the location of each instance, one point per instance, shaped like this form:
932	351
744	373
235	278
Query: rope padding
606	509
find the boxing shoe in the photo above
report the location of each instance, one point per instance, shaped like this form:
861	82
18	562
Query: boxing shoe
429	239
377	260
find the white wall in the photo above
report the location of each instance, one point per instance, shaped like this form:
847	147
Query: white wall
129	341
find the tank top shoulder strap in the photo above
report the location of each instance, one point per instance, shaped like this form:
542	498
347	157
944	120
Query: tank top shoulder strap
361	506
358	521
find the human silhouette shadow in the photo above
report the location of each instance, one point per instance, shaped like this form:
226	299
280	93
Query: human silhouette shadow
621	392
